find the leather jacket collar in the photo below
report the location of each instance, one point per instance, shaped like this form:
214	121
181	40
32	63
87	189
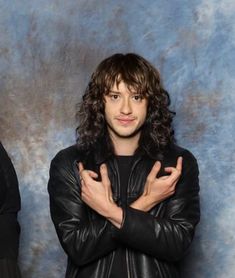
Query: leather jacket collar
102	151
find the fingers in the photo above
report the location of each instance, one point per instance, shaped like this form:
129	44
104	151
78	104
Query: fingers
86	174
104	174
179	163
175	172
178	166
154	171
105	181
92	174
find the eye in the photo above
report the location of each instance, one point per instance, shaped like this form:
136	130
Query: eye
114	97
137	97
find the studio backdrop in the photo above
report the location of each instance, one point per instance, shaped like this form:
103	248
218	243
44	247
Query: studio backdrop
48	49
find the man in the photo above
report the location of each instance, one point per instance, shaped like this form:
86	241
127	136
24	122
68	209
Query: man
124	200
9	227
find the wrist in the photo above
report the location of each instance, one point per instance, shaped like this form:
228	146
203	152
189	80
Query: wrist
144	203
115	215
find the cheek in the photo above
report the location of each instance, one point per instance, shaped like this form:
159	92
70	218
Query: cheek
144	111
106	108
108	112
111	108
144	116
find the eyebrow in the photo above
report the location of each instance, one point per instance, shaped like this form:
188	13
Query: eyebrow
118	92
114	92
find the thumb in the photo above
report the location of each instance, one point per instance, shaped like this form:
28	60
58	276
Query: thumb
80	167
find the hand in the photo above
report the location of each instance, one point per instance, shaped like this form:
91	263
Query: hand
157	190
98	194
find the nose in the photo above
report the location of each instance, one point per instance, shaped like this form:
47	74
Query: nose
126	106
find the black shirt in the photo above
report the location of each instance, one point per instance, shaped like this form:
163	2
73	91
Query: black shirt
119	267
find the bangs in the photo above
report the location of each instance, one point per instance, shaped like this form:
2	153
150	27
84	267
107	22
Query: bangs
138	75
134	80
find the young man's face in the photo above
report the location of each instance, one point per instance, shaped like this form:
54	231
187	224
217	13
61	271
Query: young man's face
125	111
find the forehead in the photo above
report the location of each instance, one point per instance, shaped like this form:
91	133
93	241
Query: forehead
121	86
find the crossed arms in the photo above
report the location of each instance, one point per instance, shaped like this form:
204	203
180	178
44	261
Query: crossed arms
166	237
98	195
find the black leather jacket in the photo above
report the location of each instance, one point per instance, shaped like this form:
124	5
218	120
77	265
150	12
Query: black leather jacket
155	241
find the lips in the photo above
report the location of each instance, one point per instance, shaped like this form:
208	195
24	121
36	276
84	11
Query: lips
125	121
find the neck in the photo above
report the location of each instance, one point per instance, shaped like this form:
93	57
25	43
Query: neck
123	145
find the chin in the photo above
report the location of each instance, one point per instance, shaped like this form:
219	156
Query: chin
127	134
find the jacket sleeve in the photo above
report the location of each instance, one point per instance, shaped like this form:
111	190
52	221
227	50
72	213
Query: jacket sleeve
84	240
169	235
9	188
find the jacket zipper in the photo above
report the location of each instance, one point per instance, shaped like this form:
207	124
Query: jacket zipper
128	191
127	264
110	264
118	179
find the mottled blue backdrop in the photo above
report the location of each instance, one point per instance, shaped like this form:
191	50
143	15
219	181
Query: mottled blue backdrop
48	50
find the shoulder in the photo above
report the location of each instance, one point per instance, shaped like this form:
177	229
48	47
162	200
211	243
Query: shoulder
7	166
175	151
66	159
68	155
5	160
63	167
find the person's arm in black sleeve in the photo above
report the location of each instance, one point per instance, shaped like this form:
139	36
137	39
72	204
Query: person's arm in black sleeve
168	236
9	207
83	239
10	195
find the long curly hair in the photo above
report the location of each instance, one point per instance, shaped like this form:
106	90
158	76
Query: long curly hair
139	75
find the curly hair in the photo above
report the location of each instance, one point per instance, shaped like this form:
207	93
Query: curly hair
139	75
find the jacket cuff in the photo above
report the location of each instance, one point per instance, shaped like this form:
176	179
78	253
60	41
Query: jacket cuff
133	225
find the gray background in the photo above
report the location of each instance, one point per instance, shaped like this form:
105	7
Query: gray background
48	50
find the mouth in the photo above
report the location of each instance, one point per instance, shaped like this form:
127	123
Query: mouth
125	121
